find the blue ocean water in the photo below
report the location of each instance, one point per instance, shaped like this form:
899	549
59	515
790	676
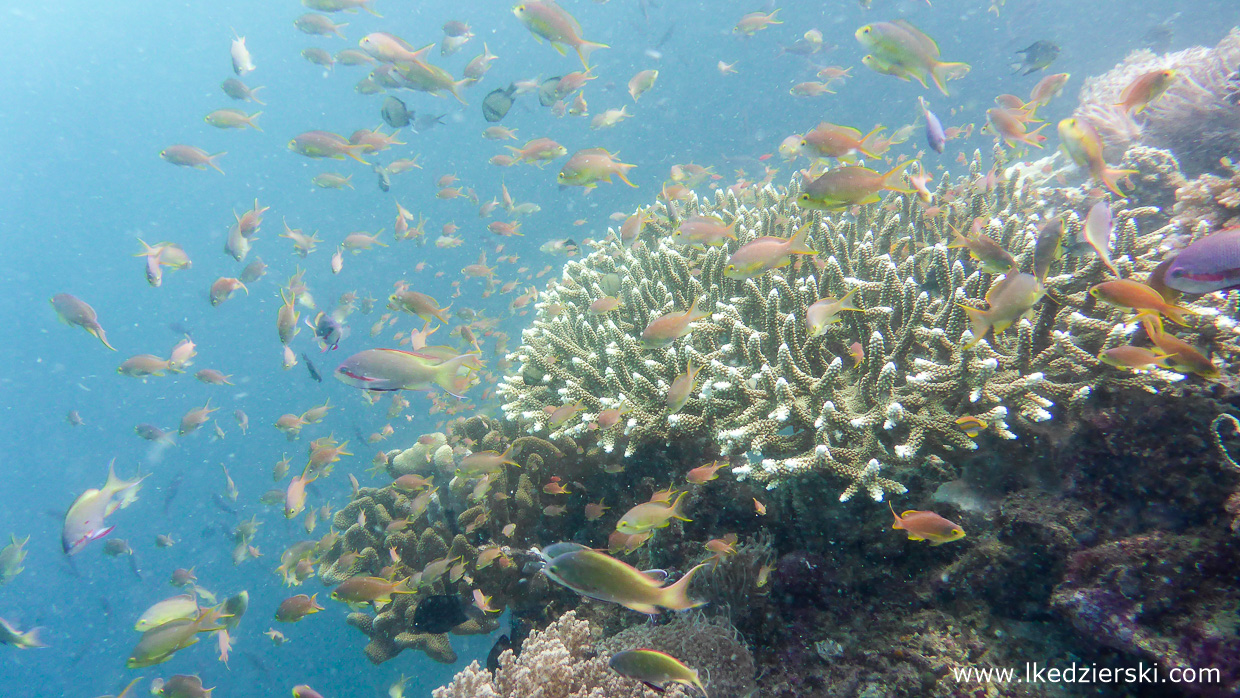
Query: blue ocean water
93	92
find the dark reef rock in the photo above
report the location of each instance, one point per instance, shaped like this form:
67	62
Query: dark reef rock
1172	599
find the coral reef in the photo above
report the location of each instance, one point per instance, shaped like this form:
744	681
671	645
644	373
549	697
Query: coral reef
1196	119
1209	202
558	662
788	401
372	545
712	646
1164	597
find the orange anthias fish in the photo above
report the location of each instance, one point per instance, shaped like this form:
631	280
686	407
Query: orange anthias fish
547	20
669	327
1009	299
1136	296
705	473
831	141
586	168
763	254
394	369
1081	143
847	186
926	525
1145	90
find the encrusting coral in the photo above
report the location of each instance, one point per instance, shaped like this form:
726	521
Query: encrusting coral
558	662
795	403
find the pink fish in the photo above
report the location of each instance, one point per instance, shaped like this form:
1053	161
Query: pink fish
84	521
394	369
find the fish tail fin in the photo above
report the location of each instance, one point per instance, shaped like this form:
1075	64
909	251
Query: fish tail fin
980	323
846	302
621	169
1152	325
696	313
255	99
31	638
504	457
366	6
455	89
348	150
864	145
446	375
1034	138
251	119
674	508
799	242
895	525
1164	359
959	239
895	171
1110	178
942	72
585	48
211	160
99	334
1176	313
676	596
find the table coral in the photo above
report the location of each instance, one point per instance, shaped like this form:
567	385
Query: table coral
794	403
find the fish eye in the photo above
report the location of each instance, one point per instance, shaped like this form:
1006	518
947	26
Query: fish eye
1176	273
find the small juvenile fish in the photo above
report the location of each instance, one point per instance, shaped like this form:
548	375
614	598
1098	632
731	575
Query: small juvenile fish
822	314
971	426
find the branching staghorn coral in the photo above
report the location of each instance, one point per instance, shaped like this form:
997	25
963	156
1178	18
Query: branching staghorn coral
794	403
1197	118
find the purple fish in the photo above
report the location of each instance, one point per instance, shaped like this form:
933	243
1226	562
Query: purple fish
934	128
1207	265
